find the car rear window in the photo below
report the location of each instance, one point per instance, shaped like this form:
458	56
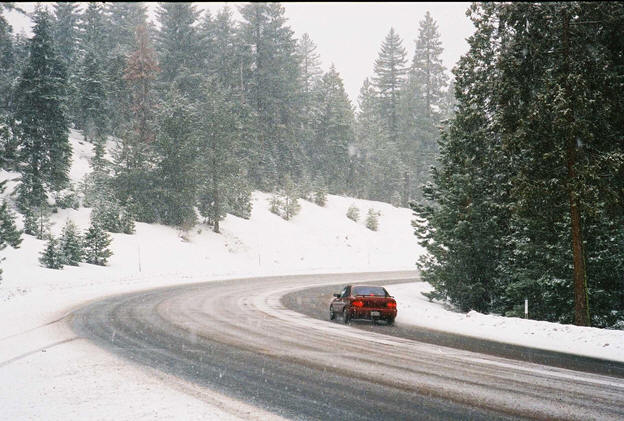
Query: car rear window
377	291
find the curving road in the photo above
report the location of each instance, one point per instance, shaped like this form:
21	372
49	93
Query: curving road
238	337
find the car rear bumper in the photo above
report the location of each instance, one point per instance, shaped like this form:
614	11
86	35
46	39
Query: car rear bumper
373	313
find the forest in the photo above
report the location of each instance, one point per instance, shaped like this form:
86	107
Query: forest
514	167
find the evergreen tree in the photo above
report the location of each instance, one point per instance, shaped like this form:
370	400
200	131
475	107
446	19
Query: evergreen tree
272	89
66	34
177	42
382	168
353	213
290	199
9	234
66	30
122	19
372	220
528	167
310	64
465	220
30	223
222	52
71	245
333	125
92	100
7	65
219	134
52	256
176	166
427	68
390	70
134	180
42	127
96	243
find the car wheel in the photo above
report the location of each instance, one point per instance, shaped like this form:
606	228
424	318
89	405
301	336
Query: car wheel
332	315
390	322
345	316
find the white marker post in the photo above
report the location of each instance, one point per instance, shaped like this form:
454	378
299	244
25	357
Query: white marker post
526	308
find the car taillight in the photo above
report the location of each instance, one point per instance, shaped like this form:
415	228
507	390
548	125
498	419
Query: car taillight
358	303
391	304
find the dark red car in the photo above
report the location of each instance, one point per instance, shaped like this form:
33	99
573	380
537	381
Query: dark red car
363	302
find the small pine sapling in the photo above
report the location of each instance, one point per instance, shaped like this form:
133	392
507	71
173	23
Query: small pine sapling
30	223
320	196
52	256
353	213
9	233
372	221
96	242
275	204
71	244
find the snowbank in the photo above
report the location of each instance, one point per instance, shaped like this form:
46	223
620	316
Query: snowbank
415	309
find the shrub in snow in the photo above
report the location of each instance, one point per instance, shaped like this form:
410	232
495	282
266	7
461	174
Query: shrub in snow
112	217
71	244
372	222
52	256
9	234
353	213
126	221
320	196
239	197
37	222
290	202
67	199
30	223
96	242
275	204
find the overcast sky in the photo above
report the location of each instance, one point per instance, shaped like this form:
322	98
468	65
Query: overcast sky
350	34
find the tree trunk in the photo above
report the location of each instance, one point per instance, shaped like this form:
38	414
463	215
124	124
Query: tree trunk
581	308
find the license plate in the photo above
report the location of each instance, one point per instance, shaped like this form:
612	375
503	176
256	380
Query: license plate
375	314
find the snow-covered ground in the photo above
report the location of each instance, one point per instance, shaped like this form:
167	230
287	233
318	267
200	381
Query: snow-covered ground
48	373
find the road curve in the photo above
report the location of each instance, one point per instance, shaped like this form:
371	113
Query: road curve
236	336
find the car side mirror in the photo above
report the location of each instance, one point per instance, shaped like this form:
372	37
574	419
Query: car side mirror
337	295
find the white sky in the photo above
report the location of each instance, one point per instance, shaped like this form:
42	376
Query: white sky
350	34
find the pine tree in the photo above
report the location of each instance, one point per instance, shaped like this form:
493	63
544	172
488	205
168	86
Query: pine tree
353	213
381	164
52	256
427	69
66	33
30	223
9	234
334	132
290	202
219	135
66	30
272	89
92	97
96	243
465	220
310	63
71	245
133	180
390	70
42	127
372	220
176	167
7	65
177	41
121	19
